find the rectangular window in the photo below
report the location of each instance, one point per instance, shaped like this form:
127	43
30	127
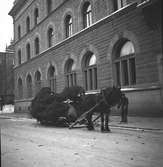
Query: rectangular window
19	32
95	78
19	59
38	86
29	90
70	30
20	91
132	71
120	4
52	84
125	79
49	6
71	79
74	77
117	4
85	79
90	79
117	68
89	18
67	80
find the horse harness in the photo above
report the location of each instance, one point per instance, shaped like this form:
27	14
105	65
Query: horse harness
104	97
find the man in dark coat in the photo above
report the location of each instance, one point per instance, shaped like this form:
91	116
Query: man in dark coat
124	108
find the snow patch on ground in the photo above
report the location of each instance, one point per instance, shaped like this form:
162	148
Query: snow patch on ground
7	109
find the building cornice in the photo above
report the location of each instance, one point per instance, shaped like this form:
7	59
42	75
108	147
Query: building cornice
44	19
18	5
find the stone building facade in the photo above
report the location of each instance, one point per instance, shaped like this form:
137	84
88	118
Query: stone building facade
7	75
92	43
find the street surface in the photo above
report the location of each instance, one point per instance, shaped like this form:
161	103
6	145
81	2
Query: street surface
24	143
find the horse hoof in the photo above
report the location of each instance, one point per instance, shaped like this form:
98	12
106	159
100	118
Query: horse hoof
106	130
90	128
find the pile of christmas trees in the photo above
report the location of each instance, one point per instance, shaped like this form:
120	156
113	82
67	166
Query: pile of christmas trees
49	107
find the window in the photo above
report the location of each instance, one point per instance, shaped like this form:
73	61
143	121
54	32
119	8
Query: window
49	6
117	4
70	74
29	86
125	69
19	32
90	71
87	15
19	57
37	81
50	37
52	78
68	26
27	24
36	15
20	88
37	46
28	51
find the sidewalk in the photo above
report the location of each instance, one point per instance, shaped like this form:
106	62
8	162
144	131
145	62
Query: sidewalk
138	123
14	115
144	123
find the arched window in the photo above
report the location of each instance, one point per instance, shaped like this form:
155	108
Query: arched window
49	6
28	51
29	86
90	71
37	81
36	16
52	78
19	57
19	32
70	74
37	46
68	26
87	14
124	63
50	37
27	24
20	88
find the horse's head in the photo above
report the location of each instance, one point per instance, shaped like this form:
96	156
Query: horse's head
112	95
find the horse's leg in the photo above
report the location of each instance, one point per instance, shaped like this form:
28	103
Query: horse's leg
90	123
102	121
107	121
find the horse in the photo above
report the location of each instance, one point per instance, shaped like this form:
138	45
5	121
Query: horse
107	98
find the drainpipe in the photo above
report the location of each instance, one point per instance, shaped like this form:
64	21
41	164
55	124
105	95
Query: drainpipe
5	77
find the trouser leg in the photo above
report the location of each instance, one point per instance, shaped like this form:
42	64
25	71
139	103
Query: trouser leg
125	113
